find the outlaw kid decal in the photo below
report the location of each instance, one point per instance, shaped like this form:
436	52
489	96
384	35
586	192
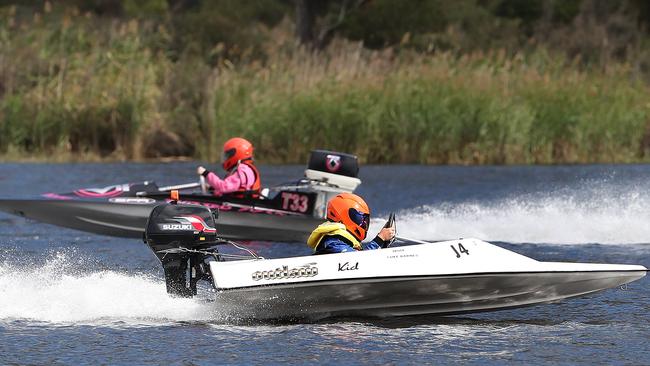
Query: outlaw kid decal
347	266
307	270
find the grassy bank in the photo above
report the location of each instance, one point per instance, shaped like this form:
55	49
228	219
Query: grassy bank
76	86
483	108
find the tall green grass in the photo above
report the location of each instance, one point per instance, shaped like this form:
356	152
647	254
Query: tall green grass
78	87
74	86
478	109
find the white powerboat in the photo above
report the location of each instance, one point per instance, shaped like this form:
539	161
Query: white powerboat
449	277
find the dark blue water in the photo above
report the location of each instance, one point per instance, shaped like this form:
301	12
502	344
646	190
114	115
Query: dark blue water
68	297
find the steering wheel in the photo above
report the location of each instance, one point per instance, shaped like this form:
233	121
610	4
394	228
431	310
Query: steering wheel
204	185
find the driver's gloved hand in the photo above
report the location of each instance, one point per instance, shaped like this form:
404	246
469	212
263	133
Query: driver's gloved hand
386	235
202	171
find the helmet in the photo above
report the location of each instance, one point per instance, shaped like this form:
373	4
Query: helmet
352	211
235	150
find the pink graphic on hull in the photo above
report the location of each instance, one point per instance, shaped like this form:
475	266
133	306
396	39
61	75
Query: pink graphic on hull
228	207
56	196
87	193
106	192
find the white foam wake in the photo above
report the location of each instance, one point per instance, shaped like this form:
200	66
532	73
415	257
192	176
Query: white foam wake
624	219
53	293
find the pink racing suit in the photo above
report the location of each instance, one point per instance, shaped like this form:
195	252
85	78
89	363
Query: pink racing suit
241	178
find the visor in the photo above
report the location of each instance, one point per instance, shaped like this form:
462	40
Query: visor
228	154
359	218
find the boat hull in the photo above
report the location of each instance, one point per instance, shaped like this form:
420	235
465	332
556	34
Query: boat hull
451	277
129	219
441	295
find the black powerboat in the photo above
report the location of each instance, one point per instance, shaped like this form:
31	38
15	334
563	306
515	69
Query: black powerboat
288	212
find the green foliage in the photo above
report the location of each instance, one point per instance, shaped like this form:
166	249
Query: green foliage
565	11
83	86
434	25
225	29
476	110
528	11
145	7
377	25
450	82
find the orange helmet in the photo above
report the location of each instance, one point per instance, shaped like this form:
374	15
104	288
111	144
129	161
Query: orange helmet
235	150
352	211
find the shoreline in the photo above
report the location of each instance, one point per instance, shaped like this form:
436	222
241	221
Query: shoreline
188	159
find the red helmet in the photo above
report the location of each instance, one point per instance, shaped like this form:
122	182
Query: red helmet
352	211
235	150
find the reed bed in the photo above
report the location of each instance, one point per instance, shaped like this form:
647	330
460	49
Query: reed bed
79	87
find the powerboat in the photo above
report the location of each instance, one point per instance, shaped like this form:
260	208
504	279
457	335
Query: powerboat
444	278
288	212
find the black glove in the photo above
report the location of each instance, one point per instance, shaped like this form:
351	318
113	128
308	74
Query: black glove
390	223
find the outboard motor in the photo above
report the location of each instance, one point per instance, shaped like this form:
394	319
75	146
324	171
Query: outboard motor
332	162
337	169
331	173
179	236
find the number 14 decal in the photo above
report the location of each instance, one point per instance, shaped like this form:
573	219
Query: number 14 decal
461	249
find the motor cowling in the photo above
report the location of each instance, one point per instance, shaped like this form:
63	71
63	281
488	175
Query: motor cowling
333	162
178	235
331	173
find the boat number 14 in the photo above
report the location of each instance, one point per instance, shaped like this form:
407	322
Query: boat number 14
461	250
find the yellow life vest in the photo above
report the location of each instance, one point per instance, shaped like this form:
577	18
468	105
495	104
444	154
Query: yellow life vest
331	228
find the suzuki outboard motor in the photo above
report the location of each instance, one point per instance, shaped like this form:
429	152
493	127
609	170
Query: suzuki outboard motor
179	236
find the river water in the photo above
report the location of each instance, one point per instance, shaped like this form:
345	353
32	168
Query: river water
68	297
